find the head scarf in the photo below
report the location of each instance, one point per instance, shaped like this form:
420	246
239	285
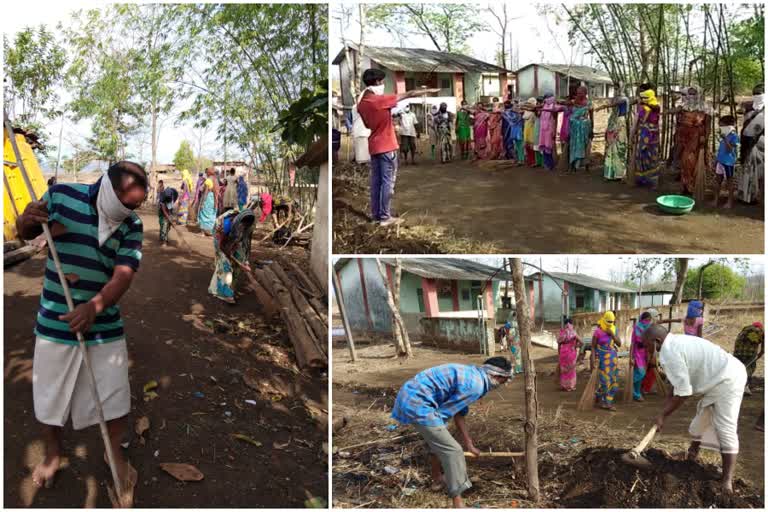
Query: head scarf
649	99
241	225
567	332
608	316
187	180
759	325
111	211
549	99
434	109
695	309
654	313
494	370
508	325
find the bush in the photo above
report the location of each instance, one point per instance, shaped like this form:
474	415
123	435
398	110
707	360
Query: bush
720	282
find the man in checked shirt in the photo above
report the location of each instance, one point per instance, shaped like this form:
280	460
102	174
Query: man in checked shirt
438	394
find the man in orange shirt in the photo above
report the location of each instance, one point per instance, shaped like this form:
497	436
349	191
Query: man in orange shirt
375	111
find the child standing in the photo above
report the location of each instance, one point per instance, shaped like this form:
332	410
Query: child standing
726	158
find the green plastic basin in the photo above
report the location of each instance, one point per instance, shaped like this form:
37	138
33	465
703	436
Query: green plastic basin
675	205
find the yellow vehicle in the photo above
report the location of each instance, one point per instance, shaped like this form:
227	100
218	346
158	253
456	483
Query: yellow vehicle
16	194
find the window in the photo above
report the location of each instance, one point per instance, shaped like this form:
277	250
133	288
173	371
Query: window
410	84
464	294
445	83
579	300
420	299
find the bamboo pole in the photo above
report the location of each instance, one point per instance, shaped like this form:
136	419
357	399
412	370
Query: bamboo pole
343	315
531	400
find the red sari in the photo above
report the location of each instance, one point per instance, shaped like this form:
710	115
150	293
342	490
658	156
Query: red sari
496	142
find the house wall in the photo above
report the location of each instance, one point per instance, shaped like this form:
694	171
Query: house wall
552	293
346	76
472	87
654	299
525	83
318	258
491	85
547	82
378	318
456	333
535	81
444	79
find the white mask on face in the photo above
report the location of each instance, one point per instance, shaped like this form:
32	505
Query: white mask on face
112	212
758	101
725	130
376	89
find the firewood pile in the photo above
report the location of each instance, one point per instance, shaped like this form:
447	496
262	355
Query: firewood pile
301	303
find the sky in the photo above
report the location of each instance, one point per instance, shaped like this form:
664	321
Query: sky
537	38
18	15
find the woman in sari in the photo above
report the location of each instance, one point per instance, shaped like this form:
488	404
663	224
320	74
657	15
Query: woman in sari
537	131
529	126
693	325
605	356
638	355
749	347
647	129
195	206
513	337
480	131
242	192
548	129
464	130
750	180
693	120
495	141
208	203
185	197
507	130
565	134
568	345
232	244
580	129
615	166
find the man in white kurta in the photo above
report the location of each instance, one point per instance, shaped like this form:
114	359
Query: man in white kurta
695	366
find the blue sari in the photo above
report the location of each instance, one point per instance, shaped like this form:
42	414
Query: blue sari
580	128
207	215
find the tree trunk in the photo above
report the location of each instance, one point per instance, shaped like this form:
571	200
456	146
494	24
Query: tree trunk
343	315
701	276
682	273
531	401
153	165
397	322
396	286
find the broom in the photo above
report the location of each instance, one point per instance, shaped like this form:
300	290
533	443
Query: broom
699	185
587	400
660	382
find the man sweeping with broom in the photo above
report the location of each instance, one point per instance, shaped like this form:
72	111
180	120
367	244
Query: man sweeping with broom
98	238
436	395
695	366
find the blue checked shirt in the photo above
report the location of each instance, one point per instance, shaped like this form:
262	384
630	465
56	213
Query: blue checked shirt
438	394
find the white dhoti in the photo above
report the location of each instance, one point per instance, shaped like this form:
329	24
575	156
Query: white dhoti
60	383
361	150
717	414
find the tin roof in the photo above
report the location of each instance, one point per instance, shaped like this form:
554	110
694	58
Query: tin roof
421	60
444	268
589	282
584	73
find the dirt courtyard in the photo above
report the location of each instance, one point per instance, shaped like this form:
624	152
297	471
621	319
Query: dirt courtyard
395	475
495	207
221	370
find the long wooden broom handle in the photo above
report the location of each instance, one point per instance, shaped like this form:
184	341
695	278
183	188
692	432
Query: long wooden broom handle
646	440
494	454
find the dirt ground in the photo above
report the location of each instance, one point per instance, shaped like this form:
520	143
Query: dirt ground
571	474
201	352
494	207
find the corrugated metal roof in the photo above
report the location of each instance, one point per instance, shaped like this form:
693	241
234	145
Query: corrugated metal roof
443	268
425	61
585	73
666	287
590	282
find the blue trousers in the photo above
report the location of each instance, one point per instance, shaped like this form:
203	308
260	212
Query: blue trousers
637	379
383	175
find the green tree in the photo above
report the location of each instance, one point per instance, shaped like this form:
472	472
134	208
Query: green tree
447	26
719	282
184	157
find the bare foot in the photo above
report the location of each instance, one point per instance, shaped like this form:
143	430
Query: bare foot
458	502
42	475
728	205
693	453
727	486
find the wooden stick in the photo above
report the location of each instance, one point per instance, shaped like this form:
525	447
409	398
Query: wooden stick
628	387
471	455
660	382
379	441
637	450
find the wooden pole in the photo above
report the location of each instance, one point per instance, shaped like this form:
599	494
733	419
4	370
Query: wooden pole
531	401
343	315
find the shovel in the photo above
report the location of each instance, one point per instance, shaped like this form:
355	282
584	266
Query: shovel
70	307
634	458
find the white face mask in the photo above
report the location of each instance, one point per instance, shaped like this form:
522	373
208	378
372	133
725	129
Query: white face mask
112	212
725	130
376	89
758	101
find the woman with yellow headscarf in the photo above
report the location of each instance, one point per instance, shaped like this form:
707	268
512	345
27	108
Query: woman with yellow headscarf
647	132
185	196
604	355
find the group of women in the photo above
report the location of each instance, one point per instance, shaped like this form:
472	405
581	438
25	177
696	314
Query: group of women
525	132
605	343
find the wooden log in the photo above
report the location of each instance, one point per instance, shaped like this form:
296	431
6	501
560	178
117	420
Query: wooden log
319	328
306	281
308	354
264	297
12	245
21	254
320	308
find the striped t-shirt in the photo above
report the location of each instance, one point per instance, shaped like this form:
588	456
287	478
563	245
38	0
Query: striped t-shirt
91	266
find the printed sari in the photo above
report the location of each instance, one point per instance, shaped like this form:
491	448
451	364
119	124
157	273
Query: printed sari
567	354
647	166
579	131
232	239
608	369
615	167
